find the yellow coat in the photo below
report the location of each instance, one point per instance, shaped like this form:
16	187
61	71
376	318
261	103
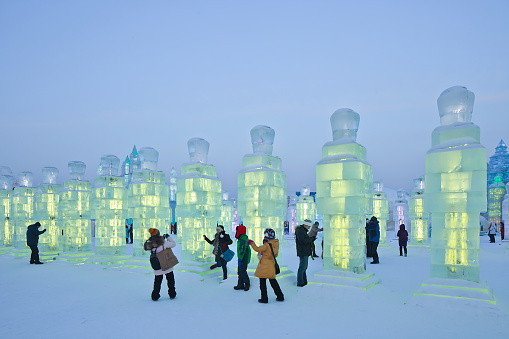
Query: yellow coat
266	267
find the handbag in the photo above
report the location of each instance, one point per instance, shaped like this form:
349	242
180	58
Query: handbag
227	255
154	261
167	259
275	261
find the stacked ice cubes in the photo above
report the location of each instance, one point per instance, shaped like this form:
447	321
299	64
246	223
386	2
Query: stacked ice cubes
305	206
418	214
6	225
47	199
380	208
23	208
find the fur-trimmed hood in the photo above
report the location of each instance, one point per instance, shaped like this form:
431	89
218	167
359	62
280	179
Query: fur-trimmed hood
153	242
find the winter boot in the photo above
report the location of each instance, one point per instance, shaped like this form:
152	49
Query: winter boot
38	263
246	287
263	301
238	288
213	266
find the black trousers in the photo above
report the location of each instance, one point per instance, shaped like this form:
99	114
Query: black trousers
275	287
373	246
243	277
400	248
158	279
492	237
35	253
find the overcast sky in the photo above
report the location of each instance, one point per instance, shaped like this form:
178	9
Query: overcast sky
80	79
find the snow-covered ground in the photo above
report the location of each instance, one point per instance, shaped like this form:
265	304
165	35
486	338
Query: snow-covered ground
67	300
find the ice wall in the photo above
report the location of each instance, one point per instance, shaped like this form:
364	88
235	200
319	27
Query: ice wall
344	194
109	208
262	187
148	200
47	198
418	214
226	218
22	208
305	206
455	191
380	209
6	225
74	211
496	193
198	202
401	213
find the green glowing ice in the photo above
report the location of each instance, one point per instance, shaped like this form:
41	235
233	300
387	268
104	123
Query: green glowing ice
305	206
22	208
380	209
6	224
418	214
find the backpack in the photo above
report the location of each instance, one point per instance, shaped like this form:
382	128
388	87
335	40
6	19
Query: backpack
154	261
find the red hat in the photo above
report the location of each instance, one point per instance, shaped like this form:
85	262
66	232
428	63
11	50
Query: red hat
154	232
241	229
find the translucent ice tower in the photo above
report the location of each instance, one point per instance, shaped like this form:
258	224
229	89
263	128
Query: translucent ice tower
6	225
496	193
291	214
227	212
400	212
261	187
418	214
149	200
455	189
109	208
380	208
198	202
505	210
47	198
23	208
74	211
344	195
305	206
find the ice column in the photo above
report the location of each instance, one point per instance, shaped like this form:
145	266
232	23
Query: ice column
418	215
262	187
47	199
198	202
496	192
455	189
74	211
6	225
400	213
227	212
306	207
109	208
23	208
291	213
344	194
380	208
173	197
149	200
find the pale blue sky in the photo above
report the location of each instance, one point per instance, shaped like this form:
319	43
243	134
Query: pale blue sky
79	79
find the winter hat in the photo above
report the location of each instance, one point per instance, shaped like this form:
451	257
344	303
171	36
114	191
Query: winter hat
373	218
402	226
241	229
37	224
269	234
220	227
307	222
154	232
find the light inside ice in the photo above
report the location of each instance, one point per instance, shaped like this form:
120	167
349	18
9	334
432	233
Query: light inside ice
46	202
380	209
418	214
6	182
49	175
25	179
305	206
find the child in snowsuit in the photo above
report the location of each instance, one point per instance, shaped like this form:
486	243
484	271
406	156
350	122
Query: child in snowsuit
403	239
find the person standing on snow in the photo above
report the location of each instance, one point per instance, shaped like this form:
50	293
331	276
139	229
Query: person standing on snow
312	234
403	239
220	243
492	230
32	241
373	229
303	244
244	257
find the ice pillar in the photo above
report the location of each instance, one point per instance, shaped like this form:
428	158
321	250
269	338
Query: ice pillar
47	199
455	189
262	187
23	208
109	208
344	194
149	200
418	214
74	211
226	212
305	206
400	213
198	202
6	225
496	192
505	211
380	208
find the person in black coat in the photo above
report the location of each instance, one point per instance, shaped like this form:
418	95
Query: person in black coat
32	241
303	244
220	243
403	239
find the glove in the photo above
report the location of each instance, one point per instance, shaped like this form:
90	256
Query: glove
44	230
204	236
249	241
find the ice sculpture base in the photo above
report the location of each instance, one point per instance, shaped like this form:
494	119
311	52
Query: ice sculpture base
107	260
75	257
454	291
364	281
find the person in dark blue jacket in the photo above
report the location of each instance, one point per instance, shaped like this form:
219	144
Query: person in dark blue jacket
373	229
32	241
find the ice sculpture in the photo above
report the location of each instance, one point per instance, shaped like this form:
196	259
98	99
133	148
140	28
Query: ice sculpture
126	165
109	208
149	200
291	214
261	187
499	164
505	212
400	212
74	211
23	208
496	192
305	206
6	225
173	196
198	202
455	189
344	195
418	214
47	199
380	209
227	212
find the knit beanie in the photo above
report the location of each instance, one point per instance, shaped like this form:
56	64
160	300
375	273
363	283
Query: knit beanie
269	234
241	229
154	232
307	222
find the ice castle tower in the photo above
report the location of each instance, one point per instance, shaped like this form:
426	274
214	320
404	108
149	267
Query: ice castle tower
6	225
47	198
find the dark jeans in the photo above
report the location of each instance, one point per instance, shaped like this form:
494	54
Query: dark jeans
35	253
170	278
275	287
373	246
400	248
222	263
301	272
492	237
313	249
243	277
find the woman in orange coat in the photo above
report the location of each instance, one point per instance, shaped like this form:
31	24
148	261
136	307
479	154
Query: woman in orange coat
267	266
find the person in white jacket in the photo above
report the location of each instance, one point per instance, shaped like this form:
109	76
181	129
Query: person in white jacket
157	243
492	230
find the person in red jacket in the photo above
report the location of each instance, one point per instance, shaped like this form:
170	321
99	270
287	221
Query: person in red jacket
403	239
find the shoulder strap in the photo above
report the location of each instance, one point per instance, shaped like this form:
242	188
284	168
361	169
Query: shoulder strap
272	251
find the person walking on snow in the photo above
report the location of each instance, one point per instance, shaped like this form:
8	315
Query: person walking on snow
266	268
492	230
403	239
32	241
157	242
373	229
312	234
244	257
220	243
303	244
